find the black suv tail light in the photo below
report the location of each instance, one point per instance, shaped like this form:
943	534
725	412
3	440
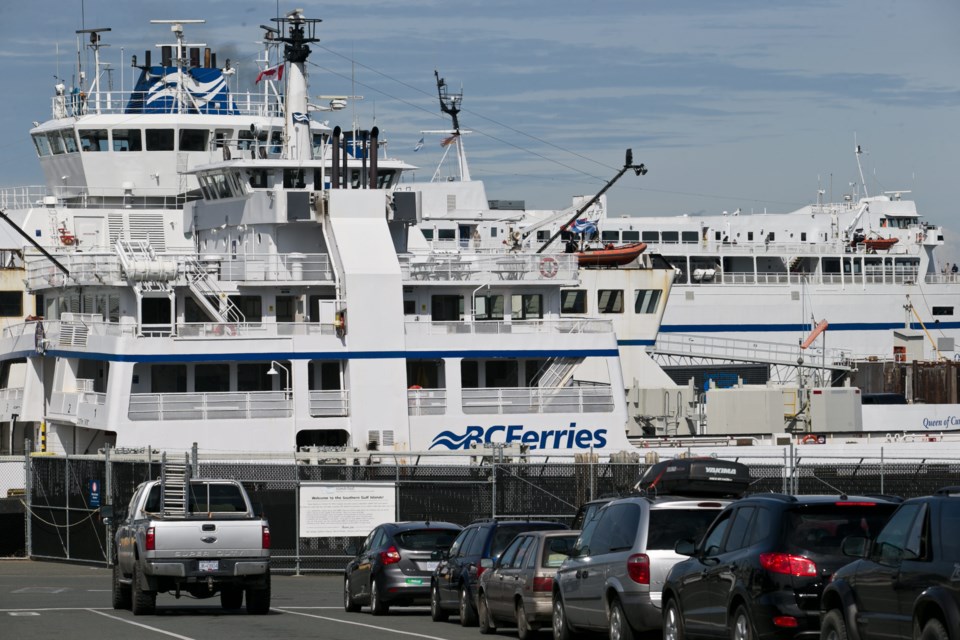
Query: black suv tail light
788	564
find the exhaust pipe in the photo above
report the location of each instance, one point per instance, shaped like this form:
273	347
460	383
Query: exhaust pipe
374	146
335	160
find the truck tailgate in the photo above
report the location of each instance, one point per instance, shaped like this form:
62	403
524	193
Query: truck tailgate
219	538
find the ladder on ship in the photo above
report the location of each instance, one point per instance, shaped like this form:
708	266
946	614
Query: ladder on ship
174	478
556	372
205	290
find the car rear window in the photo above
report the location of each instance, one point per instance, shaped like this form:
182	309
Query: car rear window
557	549
505	533
426	539
820	529
669	525
949	525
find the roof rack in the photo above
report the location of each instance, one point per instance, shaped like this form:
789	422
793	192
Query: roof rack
947	491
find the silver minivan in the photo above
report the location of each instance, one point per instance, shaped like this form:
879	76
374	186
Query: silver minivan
613	578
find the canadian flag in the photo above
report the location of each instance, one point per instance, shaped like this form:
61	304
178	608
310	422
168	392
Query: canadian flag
270	72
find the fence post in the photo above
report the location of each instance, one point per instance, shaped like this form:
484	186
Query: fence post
882	470
66	497
296	519
493	502
108	495
28	489
592	472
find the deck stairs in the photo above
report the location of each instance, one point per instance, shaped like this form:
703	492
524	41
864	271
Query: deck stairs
556	372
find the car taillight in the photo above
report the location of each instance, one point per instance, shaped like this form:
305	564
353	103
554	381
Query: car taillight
785	621
638	568
265	537
150	542
390	556
480	570
543	584
788	564
855	504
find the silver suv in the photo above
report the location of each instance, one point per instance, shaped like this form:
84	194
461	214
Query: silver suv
613	579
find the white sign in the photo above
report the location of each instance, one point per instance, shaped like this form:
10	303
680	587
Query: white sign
335	509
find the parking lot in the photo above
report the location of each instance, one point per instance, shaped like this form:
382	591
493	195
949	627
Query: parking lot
58	600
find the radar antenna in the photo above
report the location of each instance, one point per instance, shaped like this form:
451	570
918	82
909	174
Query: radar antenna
449	103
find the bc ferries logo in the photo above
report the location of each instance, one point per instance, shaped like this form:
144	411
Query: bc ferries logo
563	438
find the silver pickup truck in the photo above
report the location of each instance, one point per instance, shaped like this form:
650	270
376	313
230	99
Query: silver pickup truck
209	542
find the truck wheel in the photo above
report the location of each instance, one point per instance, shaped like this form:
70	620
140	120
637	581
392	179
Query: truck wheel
231	598
258	599
142	602
934	630
121	592
437	614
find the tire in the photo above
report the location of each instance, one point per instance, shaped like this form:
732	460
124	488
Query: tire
258	600
231	598
377	606
142	602
742	628
524	630
672	622
833	627
468	615
121	592
484	619
620	628
934	630
437	614
348	603
561	628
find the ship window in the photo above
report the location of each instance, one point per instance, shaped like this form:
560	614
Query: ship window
69	140
210	378
258	178
159	139
937	311
276	142
193	139
425	374
469	374
42	144
126	140
646	301
543	236
689	237
222	137
11	303
427	234
488	307
493	232
671	236
250	307
501	373
56	143
650	236
168	378
385	179
409	307
750	235
803	236
293	179
244	140
527	306
610	300
93	139
610	236
253	376
631	236
717	236
318	145
446	308
446	234
573	301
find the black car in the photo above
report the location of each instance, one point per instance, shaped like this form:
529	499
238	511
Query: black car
454	583
394	565
907	584
760	568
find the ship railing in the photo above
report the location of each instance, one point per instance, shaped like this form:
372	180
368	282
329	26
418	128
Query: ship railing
329	403
210	406
115	102
85	268
75	404
55	331
897	275
752	248
484	267
426	402
279	267
501	400
942	278
495	327
22	197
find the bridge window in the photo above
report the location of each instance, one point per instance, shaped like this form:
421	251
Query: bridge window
293	179
93	139
446	234
42	144
610	300
159	139
573	301
69	140
937	311
646	301
488	307
631	236
193	139
126	140
56	142
651	236
385	179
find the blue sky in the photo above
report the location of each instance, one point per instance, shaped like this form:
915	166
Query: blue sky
746	103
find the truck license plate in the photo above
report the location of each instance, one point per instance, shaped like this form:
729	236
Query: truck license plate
209	565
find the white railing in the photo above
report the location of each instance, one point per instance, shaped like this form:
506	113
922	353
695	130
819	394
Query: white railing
426	402
538	400
900	275
682	344
69	403
210	406
483	267
496	327
115	102
329	403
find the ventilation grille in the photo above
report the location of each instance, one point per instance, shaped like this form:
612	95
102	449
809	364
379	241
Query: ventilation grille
148	227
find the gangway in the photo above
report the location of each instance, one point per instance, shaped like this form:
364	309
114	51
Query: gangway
752	351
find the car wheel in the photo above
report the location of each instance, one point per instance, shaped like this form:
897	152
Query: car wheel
468	615
619	625
121	592
524	630
484	618
561	628
437	614
742	628
142	602
377	606
348	604
258	600
672	622
934	630
231	598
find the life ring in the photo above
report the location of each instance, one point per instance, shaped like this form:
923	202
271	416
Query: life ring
810	439
549	267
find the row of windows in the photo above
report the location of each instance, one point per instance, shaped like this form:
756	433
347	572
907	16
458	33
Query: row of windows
122	140
574	301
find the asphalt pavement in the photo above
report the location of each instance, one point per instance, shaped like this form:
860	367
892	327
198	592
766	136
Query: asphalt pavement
62	601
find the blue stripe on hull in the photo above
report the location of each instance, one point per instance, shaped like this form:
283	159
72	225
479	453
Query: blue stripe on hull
771	328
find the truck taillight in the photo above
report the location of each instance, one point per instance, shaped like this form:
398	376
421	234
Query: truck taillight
390	556
265	538
638	568
150	542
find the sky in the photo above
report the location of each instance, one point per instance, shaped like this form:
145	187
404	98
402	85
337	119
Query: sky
746	104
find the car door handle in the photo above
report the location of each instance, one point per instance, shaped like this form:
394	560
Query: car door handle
582	573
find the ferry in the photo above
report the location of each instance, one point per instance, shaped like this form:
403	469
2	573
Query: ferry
225	270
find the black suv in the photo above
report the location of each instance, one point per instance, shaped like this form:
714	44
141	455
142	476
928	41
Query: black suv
907	584
453	585
759	570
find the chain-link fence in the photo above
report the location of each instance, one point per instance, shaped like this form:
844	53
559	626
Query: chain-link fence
64	494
